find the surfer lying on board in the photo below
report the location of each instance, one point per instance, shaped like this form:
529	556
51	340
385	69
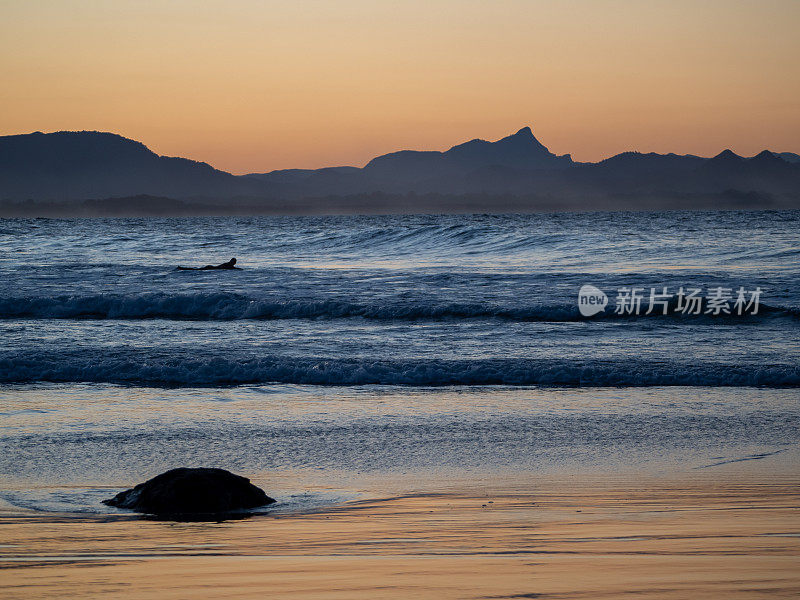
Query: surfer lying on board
226	265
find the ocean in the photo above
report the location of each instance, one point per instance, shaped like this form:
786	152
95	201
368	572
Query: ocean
350	350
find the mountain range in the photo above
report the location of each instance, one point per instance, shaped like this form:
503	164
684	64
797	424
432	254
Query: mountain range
89	172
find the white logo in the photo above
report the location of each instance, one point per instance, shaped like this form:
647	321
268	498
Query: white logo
717	301
591	300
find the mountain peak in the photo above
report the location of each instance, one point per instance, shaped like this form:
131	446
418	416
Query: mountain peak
766	155
728	155
524	141
524	132
520	151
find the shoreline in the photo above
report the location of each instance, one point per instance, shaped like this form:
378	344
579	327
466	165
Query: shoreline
536	537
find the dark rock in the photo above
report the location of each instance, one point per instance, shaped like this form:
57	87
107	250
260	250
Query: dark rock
192	491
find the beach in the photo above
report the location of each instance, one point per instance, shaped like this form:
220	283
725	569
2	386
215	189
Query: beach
498	492
527	538
421	395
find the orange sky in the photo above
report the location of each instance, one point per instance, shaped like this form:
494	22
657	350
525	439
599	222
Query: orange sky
257	85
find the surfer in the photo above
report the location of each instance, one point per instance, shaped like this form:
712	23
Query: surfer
226	265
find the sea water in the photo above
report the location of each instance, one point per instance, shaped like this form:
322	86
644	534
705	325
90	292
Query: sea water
391	346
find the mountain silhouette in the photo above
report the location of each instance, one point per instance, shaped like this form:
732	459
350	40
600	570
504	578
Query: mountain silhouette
516	172
764	171
520	151
92	164
789	157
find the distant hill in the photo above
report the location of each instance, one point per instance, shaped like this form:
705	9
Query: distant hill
517	172
70	165
789	157
520	152
766	171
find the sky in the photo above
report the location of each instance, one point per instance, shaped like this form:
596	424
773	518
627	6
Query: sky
252	86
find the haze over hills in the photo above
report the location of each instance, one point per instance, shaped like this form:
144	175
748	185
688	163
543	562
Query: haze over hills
92	172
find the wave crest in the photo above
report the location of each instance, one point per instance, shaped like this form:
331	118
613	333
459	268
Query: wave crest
228	306
141	368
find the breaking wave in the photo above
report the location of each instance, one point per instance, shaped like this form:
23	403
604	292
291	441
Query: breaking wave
181	369
228	306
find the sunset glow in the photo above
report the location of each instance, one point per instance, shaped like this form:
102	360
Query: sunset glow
253	86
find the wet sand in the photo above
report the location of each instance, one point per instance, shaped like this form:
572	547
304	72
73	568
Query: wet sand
567	538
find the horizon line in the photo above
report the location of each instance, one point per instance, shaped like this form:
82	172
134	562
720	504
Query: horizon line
342	166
